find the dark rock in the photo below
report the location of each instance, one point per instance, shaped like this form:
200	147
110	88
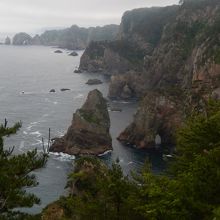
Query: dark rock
94	82
64	89
74	54
89	131
58	51
78	71
52	90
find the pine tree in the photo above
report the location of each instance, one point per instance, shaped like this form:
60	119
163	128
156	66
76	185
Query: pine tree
16	175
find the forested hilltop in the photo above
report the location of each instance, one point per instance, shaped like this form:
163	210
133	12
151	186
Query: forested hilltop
70	38
167	57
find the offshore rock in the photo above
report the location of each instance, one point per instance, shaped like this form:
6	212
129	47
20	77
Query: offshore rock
94	82
89	131
22	39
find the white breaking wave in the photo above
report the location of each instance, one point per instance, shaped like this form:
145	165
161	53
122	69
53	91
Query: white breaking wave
37	133
105	153
62	156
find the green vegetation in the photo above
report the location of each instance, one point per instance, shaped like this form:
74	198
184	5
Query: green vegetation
129	51
16	176
189	191
90	117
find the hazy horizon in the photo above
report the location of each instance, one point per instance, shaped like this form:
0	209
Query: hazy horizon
36	16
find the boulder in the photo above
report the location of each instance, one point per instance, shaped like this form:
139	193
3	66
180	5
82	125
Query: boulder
58	51
89	132
77	71
74	54
64	89
52	90
94	82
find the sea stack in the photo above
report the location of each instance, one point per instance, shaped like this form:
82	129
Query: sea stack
89	131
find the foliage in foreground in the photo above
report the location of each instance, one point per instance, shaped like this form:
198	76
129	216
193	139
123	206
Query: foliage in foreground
191	189
16	176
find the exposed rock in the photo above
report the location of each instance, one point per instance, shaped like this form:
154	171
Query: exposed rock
94	82
64	89
53	211
74	54
52	90
36	40
22	39
216	94
7	41
157	115
89	132
77	71
58	51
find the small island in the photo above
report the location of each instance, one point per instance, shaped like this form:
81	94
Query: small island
94	82
89	131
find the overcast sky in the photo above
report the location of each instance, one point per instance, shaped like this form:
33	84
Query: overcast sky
33	16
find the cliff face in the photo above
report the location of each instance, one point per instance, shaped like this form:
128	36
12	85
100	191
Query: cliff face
72	38
177	70
89	131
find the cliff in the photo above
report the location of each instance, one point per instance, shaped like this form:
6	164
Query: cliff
89	131
171	62
70	38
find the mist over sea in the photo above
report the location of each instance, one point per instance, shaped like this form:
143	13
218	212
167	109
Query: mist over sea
27	74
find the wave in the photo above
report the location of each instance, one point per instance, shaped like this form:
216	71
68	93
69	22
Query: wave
105	153
62	156
37	133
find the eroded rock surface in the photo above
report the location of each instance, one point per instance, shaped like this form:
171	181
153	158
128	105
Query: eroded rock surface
89	131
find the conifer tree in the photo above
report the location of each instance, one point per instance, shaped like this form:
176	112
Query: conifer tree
16	175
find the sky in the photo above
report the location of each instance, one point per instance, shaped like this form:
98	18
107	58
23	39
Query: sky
35	16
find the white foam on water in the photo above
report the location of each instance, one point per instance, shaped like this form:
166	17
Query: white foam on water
29	127
37	143
55	103
105	153
25	132
62	156
36	133
79	96
131	162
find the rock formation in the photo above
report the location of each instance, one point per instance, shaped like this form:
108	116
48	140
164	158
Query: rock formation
7	41
89	131
167	57
22	39
73	38
94	82
74	54
58	51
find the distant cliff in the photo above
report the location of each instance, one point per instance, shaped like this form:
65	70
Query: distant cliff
71	38
169	58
